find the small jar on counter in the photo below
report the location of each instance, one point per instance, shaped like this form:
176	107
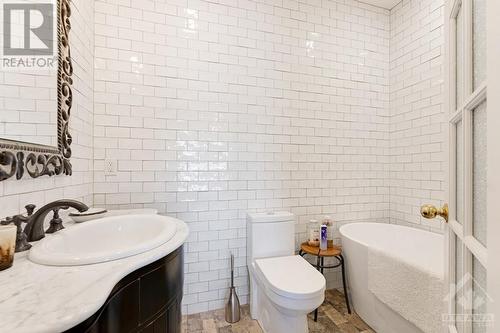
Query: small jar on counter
7	245
313	233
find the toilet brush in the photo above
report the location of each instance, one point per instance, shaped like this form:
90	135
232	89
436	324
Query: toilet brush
233	304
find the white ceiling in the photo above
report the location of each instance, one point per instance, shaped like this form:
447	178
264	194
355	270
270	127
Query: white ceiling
382	3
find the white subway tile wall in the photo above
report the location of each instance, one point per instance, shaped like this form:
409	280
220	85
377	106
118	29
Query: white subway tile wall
15	194
418	119
215	108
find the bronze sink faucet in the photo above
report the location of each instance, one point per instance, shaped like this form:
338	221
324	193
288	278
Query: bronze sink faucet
34	229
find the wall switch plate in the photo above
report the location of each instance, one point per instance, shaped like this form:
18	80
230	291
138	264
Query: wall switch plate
110	167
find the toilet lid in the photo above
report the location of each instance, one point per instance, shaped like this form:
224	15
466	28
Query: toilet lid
291	277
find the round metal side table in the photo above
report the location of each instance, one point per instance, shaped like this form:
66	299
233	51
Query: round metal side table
334	252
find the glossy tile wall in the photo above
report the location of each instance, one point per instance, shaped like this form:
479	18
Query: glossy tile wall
15	194
215	108
418	121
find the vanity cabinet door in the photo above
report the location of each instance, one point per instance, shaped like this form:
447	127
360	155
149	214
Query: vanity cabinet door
154	288
121	313
174	318
159	325
147	301
168	321
161	287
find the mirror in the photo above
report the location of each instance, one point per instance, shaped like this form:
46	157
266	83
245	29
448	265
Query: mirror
35	89
29	106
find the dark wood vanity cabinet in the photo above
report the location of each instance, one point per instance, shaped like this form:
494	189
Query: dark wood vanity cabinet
147	301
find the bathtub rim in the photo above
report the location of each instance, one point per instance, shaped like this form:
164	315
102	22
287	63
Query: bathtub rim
437	273
350	224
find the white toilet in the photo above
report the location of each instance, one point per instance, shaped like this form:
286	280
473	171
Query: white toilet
284	287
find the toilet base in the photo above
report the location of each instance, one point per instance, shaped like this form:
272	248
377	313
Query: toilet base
273	308
272	320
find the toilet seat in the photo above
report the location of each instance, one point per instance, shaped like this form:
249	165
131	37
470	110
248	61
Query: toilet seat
291	277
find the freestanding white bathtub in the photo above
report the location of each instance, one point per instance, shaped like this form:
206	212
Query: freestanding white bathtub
409	247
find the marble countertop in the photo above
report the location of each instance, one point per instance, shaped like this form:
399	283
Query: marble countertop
38	299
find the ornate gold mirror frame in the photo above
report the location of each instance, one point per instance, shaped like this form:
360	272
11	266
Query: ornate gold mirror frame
19	158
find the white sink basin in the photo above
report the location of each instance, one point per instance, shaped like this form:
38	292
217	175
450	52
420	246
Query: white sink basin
136	211
105	239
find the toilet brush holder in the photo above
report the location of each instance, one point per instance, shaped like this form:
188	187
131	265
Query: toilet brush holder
233	314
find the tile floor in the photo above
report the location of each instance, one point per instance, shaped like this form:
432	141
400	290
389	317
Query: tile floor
332	318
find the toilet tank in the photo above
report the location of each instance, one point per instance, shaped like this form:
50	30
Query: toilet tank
270	235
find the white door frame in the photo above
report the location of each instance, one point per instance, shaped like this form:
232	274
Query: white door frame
462	111
493	140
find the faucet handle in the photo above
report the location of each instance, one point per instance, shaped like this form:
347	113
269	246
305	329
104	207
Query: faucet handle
30	209
18	219
56	223
7	221
21	239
